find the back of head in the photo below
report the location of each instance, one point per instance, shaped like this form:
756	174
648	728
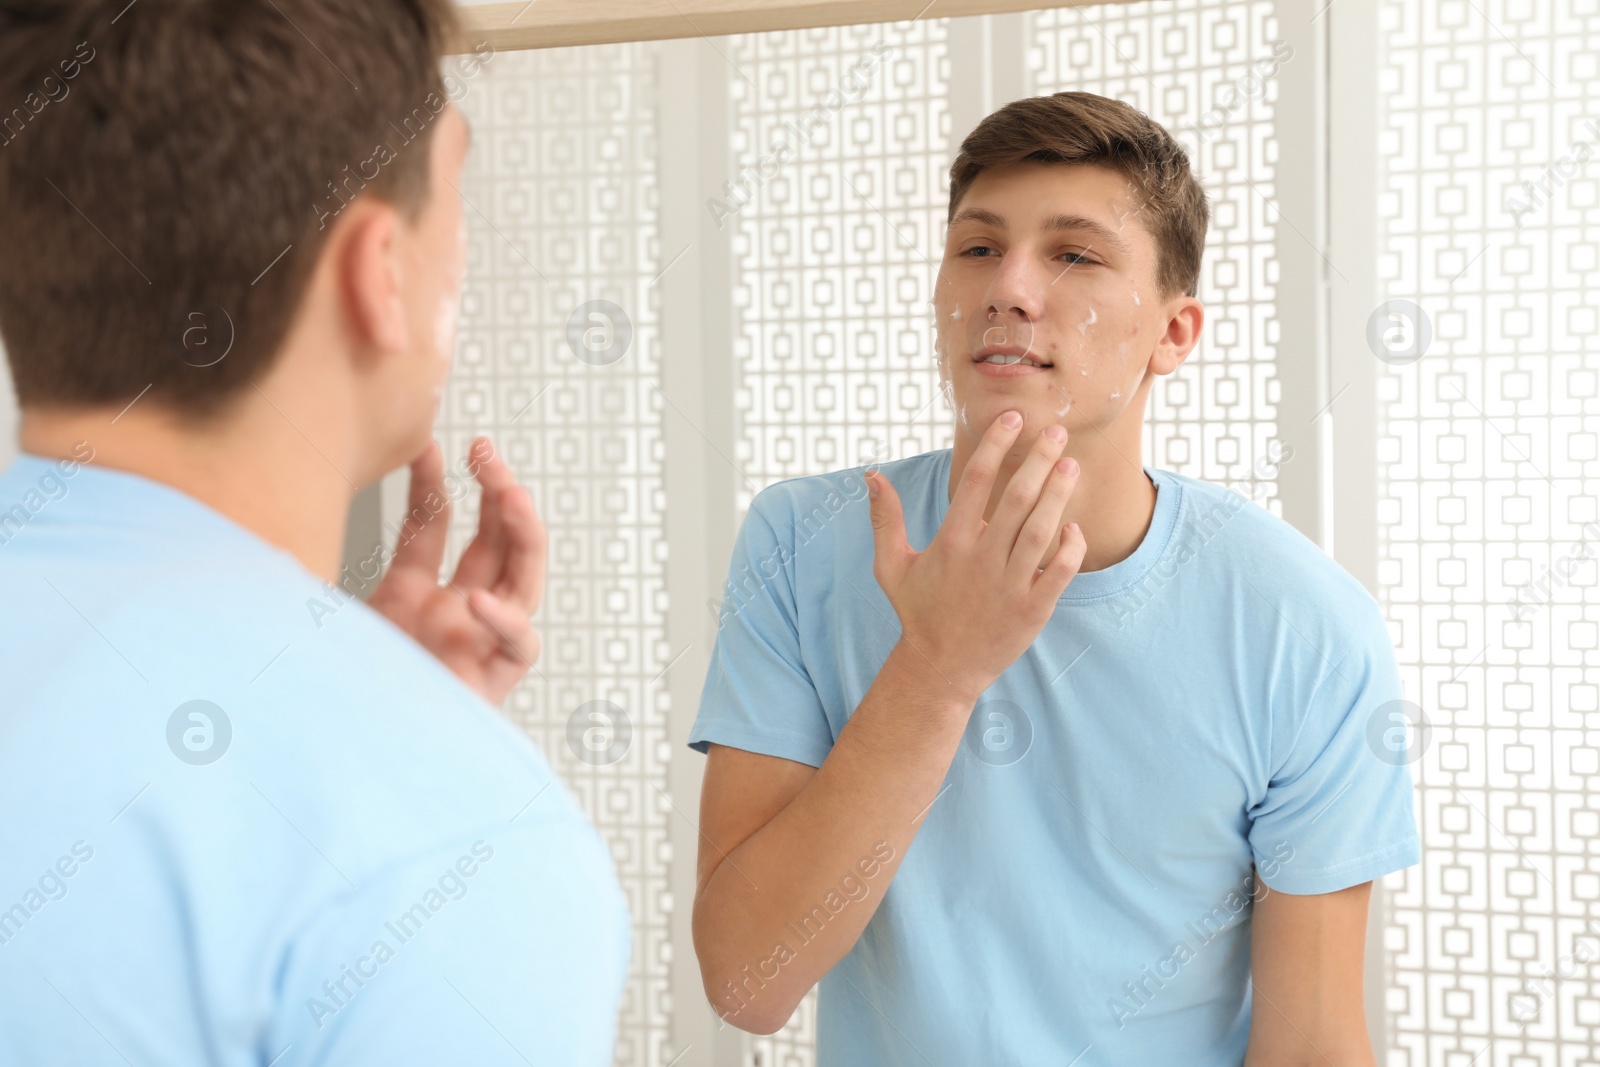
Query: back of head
168	171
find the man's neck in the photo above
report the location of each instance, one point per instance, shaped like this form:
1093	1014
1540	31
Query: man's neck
1113	503
257	468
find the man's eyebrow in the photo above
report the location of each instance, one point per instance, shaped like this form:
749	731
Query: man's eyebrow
1102	233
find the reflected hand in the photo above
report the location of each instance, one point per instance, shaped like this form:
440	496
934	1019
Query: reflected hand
479	623
980	593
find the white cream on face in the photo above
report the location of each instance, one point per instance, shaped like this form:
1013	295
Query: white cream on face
942	348
1073	298
445	317
450	301
948	390
447	312
941	362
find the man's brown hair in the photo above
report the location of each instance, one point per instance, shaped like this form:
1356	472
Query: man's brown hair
169	170
1082	128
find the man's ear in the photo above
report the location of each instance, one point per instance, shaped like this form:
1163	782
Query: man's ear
372	278
1187	317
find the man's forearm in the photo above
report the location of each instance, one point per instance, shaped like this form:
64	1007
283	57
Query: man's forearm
763	929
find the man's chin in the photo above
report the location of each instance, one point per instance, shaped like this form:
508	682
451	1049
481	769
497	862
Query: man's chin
982	406
407	446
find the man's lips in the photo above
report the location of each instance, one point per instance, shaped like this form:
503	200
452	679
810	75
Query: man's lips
1009	350
1010	370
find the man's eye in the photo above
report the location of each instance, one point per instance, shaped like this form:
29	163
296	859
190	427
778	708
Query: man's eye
1076	258
973	251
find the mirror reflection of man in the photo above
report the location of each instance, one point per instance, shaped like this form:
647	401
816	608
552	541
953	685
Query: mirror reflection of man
1060	758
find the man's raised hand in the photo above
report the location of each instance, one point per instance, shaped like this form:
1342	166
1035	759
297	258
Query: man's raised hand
976	598
479	623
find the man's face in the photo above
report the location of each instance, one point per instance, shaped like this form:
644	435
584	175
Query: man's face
1048	262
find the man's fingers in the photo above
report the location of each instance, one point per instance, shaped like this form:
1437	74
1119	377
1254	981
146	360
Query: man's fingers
511	625
1063	566
971	497
508	554
522	578
1043	530
484	558
1022	493
427	524
891	551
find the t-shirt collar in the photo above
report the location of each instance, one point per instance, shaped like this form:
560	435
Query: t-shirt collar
1121	575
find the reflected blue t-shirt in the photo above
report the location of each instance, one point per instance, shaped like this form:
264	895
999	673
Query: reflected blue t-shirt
1081	890
248	821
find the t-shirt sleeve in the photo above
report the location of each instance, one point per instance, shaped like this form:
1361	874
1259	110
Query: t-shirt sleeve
1338	808
758	695
506	947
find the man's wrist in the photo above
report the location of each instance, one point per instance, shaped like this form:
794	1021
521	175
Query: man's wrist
924	679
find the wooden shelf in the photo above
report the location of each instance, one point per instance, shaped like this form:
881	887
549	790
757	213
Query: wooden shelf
560	23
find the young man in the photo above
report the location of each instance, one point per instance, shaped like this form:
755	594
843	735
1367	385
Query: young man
249	819
1105	795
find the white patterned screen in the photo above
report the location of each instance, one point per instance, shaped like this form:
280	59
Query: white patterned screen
836	254
1206	70
560	194
1491	222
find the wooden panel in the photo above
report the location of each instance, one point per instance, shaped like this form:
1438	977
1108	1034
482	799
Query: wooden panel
559	23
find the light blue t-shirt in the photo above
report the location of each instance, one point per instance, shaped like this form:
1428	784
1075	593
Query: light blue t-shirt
1081	890
244	829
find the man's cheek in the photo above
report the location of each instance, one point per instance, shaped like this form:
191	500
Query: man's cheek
447	314
444	325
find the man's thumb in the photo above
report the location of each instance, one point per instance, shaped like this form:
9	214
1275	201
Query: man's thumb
891	551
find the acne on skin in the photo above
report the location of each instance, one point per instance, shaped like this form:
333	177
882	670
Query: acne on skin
1043	248
1088	281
